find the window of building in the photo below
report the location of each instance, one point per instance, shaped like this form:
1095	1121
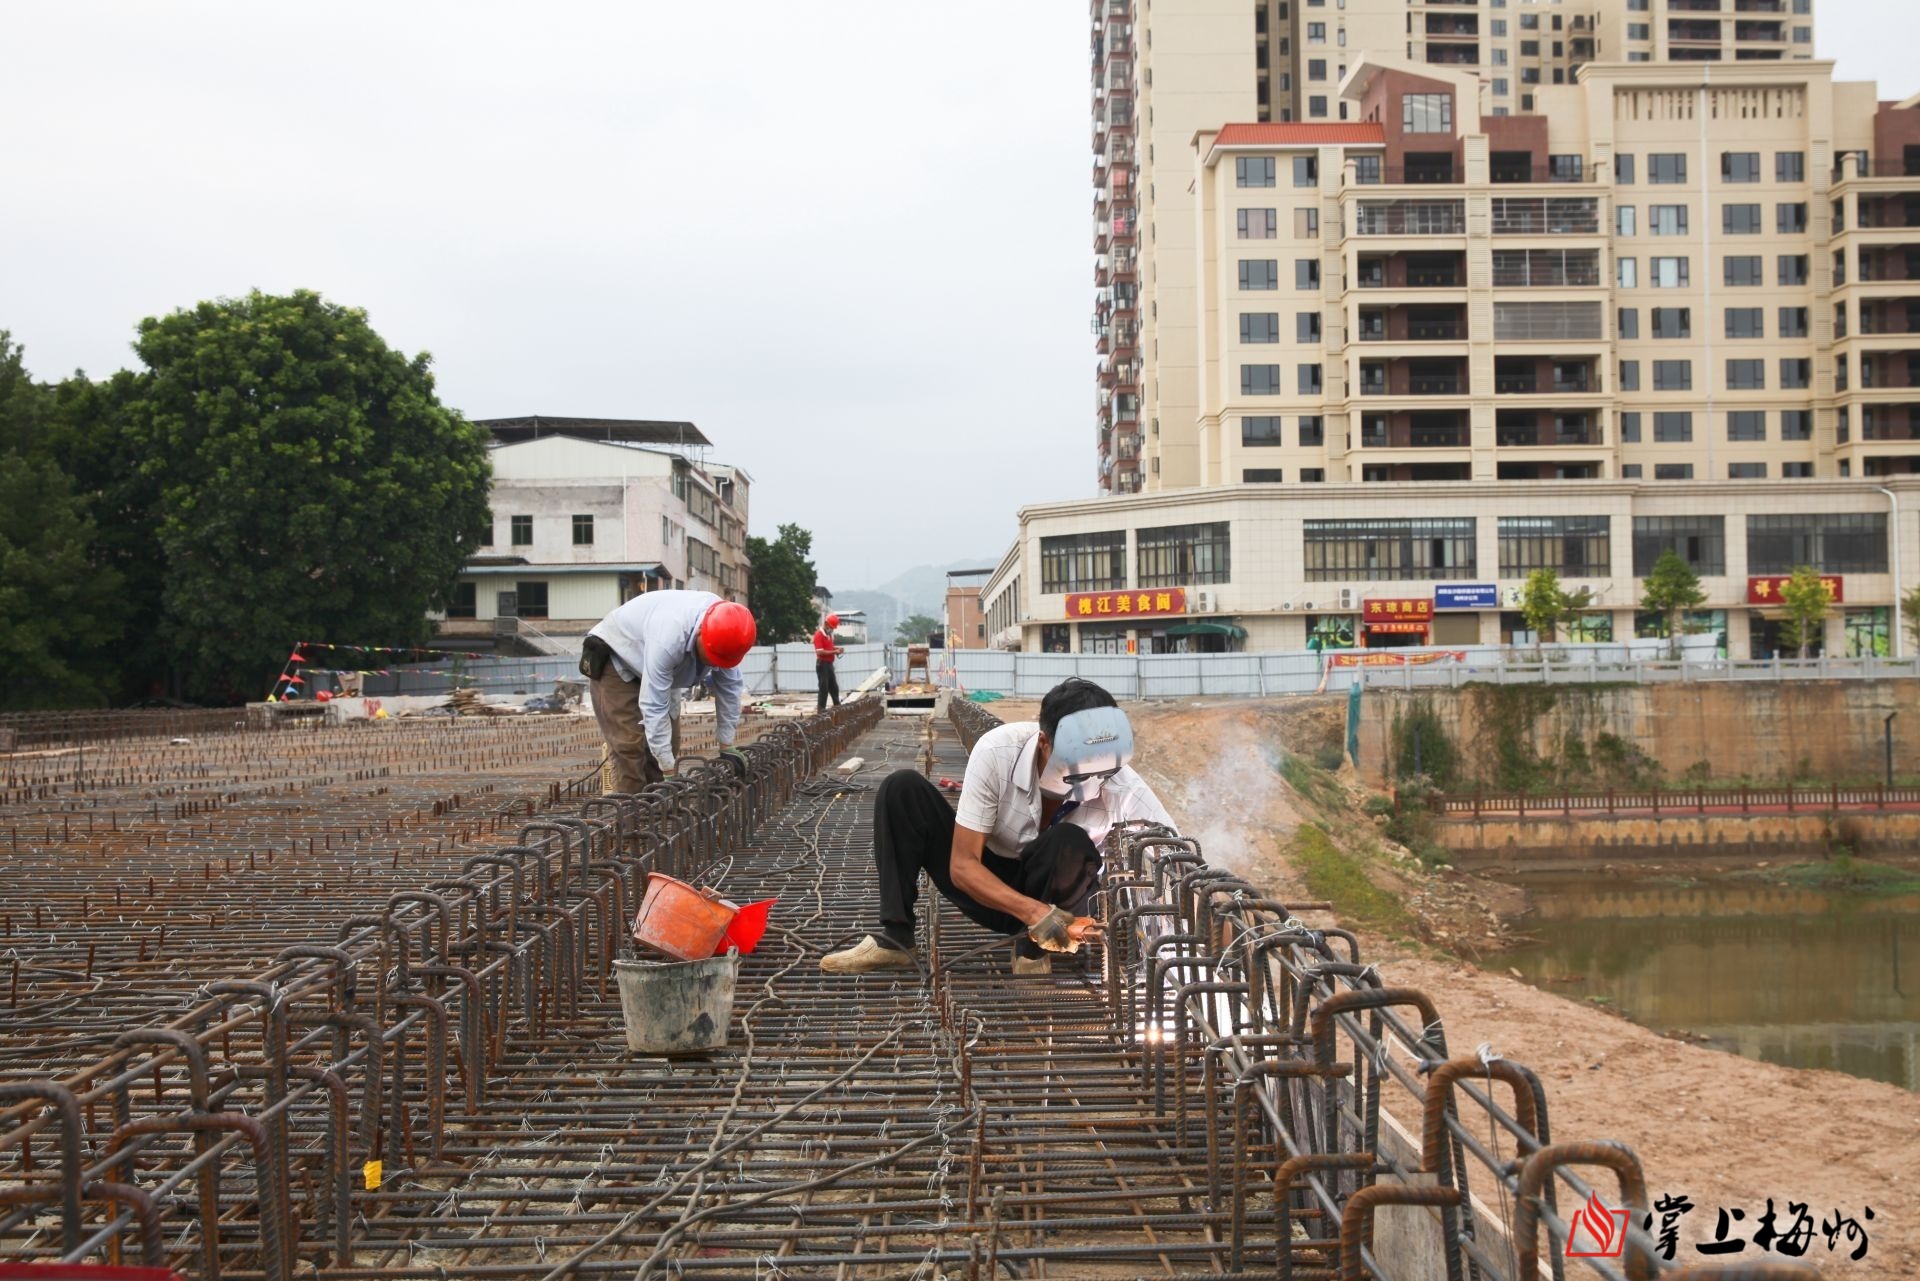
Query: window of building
1253	171
1673	322
522	527
1572	546
1669	273
1260	432
1740	220
1260	380
1746	375
1701	541
1313	475
1630	428
1629	375
1366	170
1746	471
1673	427
1306	224
1499	28
1673	471
1796	471
1626	273
464	602
1796	372
1316	33
1316	106
1389	550
531	599
1743	271
1257	224
1789	166
1259	326
1529	22
1309	380
1746	322
1639	31
1792	269
1667	168
1740	166
486	532
1306	273
1306	327
1626	323
1790	219
1623	220
1746	425
1793	322
1316	68
1426	113
1262	476
1833	543
1796	424
1259	273
1803	35
1666	220
582	531
1083	562
1177	555
1673	375
1306	171
1623	169
1566	168
1529	75
1313	431
1630	471
1502	87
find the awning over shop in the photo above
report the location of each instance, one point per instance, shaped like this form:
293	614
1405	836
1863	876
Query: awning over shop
1232	630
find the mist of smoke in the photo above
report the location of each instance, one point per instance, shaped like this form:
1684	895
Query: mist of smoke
1239	793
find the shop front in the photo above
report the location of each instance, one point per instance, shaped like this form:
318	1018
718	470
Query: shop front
1456	611
1209	636
1396	622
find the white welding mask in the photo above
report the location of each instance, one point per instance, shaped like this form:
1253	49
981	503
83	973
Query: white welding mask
1089	748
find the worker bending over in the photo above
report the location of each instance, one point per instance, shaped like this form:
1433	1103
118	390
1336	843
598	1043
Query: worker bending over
1022	853
640	660
825	650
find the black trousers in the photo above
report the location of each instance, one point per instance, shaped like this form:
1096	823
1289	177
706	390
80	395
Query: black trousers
913	833
829	684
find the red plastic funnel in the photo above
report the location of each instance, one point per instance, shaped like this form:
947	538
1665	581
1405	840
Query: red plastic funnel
748	926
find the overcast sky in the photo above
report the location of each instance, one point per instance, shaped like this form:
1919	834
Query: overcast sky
849	240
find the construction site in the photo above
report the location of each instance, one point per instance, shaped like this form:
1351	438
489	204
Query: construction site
300	999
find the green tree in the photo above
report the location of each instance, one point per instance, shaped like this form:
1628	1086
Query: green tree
780	586
306	484
1672	588
1806	598
1543	603
1910	614
914	629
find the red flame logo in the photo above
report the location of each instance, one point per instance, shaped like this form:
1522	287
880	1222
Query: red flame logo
1599	1226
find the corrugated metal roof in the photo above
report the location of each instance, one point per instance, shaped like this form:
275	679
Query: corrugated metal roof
1300	135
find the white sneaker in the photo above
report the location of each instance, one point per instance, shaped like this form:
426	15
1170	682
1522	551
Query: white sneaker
871	953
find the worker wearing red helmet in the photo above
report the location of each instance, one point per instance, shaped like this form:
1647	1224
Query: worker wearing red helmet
825	650
641	658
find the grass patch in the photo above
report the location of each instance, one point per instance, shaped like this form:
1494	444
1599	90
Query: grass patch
1315	784
1852	875
1337	876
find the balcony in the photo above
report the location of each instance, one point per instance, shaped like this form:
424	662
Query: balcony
1878	213
1890	424
1126	444
1544	375
1686	31
1881	266
1547	471
1414	431
1444	26
1507	167
1410	218
1545	429
1693	6
1412	271
1887	371
1546	268
1414	378
1760	32
1392	473
1412	324
1453	55
1760	6
1546	216
1890	316
1421	168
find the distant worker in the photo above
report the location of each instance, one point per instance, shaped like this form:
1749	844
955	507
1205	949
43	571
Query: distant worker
642	657
1022	853
825	650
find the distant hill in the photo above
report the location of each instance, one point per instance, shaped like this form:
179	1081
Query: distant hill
920	590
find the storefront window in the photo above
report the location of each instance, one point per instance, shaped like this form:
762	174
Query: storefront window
1587	628
1707	622
1056	638
1331	631
1103	640
1867	634
1768	639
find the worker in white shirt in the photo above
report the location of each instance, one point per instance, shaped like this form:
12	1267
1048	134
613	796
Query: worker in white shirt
1022	853
643	656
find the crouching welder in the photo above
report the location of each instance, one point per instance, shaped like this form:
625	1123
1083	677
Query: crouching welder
639	661
1022	853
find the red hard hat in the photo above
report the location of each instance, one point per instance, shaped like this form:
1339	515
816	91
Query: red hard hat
727	633
833	621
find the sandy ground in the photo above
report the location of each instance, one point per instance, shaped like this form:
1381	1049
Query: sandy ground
1725	1131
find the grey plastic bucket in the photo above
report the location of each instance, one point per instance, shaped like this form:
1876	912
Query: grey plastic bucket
677	1007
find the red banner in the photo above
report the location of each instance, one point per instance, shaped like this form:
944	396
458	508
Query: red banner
1390	658
1417	609
1765	590
1156	601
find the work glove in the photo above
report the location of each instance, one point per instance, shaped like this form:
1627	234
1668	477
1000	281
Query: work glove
738	759
1061	931
669	769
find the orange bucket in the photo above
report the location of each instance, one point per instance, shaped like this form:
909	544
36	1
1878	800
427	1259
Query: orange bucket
681	920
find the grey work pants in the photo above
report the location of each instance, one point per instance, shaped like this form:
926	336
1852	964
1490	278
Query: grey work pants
616	706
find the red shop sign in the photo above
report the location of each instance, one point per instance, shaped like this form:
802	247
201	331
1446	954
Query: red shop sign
1152	601
1765	590
1417	609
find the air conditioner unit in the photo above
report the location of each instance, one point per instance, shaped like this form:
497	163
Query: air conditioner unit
1286	604
1203	602
1346	598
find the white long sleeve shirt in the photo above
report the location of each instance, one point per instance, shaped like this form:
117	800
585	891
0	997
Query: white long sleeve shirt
1001	796
655	639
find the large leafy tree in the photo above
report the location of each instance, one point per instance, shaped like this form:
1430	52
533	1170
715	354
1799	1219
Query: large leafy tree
1807	599
914	629
1672	588
299	478
780	588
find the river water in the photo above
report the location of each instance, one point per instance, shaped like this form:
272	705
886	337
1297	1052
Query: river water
1802	977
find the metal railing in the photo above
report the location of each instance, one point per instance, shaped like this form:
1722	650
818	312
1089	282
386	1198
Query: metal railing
1743	801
